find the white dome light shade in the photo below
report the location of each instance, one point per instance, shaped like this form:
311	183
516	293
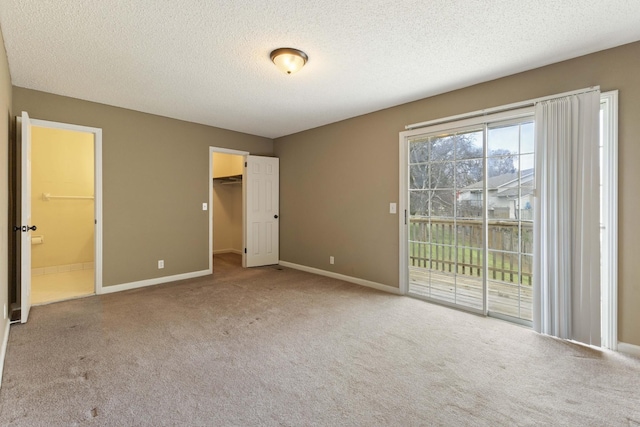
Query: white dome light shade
289	60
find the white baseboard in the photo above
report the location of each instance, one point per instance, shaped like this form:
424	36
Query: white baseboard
151	282
357	281
3	349
630	349
227	251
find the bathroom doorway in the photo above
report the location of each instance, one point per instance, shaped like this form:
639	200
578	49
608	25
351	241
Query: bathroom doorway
63	207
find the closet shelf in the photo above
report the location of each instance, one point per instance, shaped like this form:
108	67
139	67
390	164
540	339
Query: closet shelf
228	180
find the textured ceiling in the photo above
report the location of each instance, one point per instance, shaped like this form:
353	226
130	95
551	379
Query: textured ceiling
207	61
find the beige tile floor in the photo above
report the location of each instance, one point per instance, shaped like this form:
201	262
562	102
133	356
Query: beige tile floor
61	286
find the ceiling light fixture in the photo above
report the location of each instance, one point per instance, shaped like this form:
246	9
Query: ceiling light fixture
289	60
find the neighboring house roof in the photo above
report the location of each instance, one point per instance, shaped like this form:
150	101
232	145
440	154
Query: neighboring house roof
504	184
513	192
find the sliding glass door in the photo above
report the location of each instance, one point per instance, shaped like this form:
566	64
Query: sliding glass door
470	217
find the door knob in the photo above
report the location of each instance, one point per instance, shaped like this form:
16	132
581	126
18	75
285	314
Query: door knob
275	216
33	227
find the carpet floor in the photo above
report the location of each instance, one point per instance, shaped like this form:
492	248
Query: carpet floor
278	347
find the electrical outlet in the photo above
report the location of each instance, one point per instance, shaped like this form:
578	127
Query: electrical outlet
332	260
204	206
161	263
393	208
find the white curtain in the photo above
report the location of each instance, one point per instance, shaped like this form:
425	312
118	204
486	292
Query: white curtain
567	218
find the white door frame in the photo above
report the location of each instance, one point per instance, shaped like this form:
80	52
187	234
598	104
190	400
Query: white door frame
97	155
244	235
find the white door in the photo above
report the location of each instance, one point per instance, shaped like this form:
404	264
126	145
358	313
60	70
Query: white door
261	211
25	269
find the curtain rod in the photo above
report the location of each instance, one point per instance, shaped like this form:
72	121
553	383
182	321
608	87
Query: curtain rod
499	109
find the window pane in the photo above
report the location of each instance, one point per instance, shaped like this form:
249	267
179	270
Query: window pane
469	234
418	176
470	205
468	172
502	170
527	164
419	230
526	240
503	266
526	204
527	269
526	138
503	235
419	150
442	175
503	140
442	148
504	298
419	254
419	203
443	258
470	262
469	145
443	286
442	203
442	232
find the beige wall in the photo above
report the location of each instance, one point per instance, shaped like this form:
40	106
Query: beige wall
5	120
62	165
337	180
227	204
155	179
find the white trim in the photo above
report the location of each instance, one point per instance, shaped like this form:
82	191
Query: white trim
97	155
499	109
403	217
3	349
227	251
610	220
448	125
355	280
630	349
151	282
224	151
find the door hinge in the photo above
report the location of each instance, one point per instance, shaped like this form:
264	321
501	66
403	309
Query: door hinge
405	217
245	250
245	164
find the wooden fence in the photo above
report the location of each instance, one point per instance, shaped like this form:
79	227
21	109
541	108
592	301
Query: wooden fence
433	244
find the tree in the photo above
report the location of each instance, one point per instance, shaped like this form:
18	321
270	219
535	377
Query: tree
440	167
501	161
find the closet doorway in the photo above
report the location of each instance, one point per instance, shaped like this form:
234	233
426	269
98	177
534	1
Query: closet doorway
244	196
227	202
63	207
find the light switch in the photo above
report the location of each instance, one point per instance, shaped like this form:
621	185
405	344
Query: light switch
204	206
393	208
